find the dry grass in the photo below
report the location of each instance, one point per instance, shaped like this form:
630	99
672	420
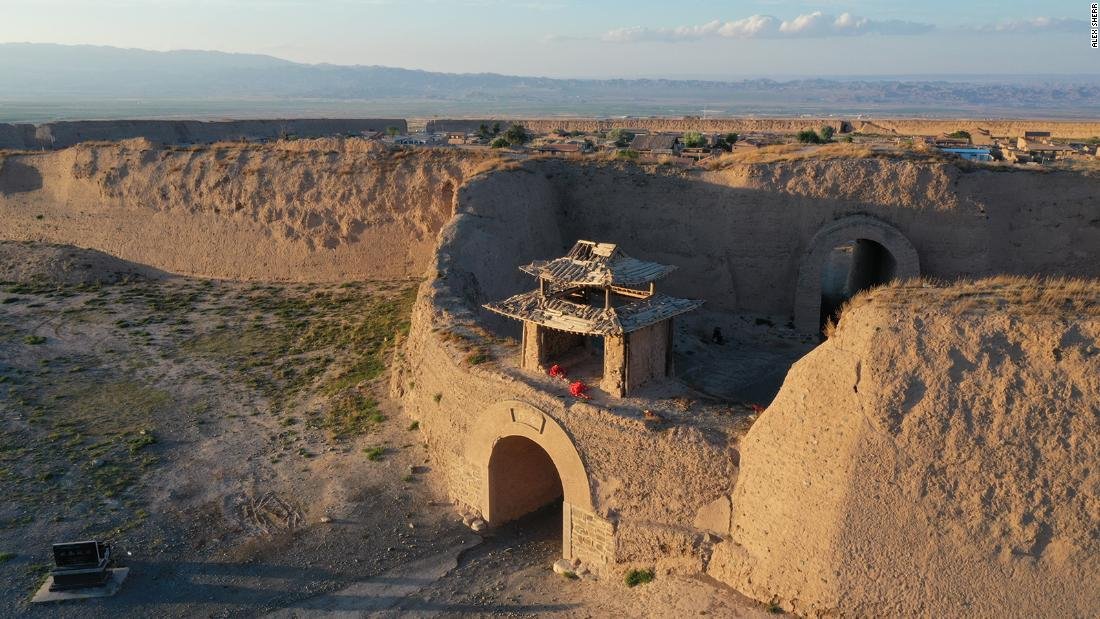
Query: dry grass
1079	165
496	163
1028	296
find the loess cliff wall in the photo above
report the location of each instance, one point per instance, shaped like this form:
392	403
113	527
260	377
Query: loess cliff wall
320	210
936	455
63	134
332	209
740	235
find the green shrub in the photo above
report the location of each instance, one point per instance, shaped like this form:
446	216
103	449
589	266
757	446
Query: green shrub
477	357
639	577
34	340
809	136
499	143
374	453
627	154
414	426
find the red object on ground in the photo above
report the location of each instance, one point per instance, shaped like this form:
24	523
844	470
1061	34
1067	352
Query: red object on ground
577	388
556	371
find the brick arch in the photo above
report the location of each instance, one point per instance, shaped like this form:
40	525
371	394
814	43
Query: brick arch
807	302
586	536
512	418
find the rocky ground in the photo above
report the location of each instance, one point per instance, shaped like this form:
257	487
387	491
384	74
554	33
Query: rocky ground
233	442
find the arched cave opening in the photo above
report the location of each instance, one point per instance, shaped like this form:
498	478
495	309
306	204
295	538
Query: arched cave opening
522	479
851	268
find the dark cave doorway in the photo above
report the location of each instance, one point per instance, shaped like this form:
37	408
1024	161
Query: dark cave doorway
851	268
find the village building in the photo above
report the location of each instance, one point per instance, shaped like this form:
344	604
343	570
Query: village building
947	141
657	144
597	301
969	153
695	154
561	148
1041	136
1036	145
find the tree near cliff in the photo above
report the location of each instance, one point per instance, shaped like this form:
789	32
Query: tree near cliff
694	139
809	136
620	136
517	135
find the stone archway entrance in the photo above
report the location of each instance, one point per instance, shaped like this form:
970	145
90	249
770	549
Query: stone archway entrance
522	478
876	253
524	460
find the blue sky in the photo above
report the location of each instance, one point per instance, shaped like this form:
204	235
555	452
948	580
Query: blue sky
593	38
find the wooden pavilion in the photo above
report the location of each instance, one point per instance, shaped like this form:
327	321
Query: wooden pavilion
598	298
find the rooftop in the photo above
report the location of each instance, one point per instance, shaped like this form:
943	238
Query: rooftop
597	264
654	141
563	304
565	315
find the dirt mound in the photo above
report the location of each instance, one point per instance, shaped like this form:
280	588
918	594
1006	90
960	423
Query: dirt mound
936	455
64	265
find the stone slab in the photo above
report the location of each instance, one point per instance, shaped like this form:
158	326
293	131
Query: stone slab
118	574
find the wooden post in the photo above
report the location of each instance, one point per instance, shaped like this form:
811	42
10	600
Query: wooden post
607	297
670	336
652	288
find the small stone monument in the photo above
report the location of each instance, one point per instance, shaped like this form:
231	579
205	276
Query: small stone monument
81	570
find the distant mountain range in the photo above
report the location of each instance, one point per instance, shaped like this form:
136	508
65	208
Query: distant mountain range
46	81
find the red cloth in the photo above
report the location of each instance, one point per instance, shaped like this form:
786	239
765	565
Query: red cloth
556	371
577	389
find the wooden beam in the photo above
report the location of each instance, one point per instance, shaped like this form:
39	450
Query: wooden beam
632	293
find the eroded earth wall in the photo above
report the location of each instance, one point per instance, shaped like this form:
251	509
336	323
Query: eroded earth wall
930	459
62	134
739	235
317	210
335	209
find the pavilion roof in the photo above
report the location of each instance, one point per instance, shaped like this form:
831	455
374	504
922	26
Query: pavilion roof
597	264
564	315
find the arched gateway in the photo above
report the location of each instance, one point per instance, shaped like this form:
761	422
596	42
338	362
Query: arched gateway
524	461
880	253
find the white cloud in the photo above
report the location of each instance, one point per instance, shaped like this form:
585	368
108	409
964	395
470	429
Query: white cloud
816	24
1036	24
748	27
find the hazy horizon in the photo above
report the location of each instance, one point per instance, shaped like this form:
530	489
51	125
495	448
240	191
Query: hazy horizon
575	39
